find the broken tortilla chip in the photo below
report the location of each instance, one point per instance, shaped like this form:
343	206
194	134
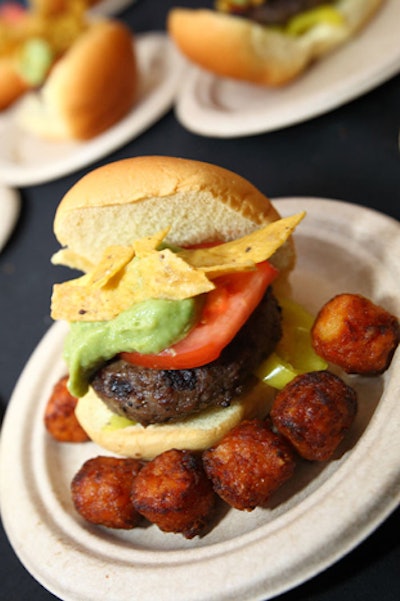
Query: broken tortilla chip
170	278
69	258
131	274
245	252
113	261
149	244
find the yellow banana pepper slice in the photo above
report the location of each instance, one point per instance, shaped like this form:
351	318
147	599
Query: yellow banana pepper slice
302	22
294	353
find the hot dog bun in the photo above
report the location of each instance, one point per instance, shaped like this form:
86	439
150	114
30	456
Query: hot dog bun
236	47
89	89
132	198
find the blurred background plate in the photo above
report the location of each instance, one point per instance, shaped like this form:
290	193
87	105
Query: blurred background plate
9	210
222	107
26	159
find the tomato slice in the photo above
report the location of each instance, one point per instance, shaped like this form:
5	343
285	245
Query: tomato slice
225	311
12	12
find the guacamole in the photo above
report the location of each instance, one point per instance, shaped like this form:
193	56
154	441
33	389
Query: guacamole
147	327
35	60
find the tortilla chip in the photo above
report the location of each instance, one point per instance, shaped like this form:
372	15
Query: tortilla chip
71	259
149	244
130	274
170	277
245	252
74	302
114	260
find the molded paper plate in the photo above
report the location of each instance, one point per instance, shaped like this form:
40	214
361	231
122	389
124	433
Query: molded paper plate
10	203
318	516
222	107
27	160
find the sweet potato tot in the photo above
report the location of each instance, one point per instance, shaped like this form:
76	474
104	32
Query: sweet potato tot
249	464
101	491
314	411
355	334
173	492
59	416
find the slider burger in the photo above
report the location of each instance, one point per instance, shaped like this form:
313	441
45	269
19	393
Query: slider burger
52	57
267	42
176	309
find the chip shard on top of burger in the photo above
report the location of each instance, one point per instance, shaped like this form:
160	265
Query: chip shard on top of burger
147	269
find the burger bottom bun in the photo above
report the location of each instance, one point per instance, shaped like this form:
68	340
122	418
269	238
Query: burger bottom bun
236	47
88	90
196	433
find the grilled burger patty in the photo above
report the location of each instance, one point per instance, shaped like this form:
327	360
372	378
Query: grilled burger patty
157	396
278	12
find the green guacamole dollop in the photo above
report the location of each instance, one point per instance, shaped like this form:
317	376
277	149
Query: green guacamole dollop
35	60
147	327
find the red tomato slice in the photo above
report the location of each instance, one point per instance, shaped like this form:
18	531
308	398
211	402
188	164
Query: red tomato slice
226	310
12	12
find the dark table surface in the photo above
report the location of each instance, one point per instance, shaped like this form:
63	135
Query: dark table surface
351	154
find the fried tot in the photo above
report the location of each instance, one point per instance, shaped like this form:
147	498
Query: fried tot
314	412
101	491
249	464
355	334
173	492
59	416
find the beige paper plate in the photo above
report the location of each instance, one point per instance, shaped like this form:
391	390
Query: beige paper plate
320	515
10	204
222	107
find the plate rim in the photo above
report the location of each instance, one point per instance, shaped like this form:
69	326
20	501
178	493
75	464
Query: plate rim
374	514
217	123
10	201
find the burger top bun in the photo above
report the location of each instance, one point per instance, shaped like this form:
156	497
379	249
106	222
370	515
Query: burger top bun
137	197
195	433
236	47
89	89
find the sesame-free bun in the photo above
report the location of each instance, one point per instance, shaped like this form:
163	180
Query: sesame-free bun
236	47
88	90
12	86
133	198
195	433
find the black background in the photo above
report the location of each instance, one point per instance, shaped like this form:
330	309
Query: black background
350	154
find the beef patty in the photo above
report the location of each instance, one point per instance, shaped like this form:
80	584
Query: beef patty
157	396
277	12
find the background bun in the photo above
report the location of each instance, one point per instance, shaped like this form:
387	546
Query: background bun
132	198
12	86
89	89
195	433
239	48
